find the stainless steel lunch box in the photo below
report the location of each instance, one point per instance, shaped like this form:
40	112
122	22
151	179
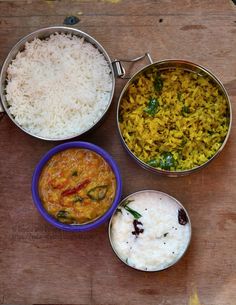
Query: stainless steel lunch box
189	66
161	193
115	68
43	33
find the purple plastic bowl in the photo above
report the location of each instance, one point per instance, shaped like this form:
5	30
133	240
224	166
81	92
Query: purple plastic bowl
51	219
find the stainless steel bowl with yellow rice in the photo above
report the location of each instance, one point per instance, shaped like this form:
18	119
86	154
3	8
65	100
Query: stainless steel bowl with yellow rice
174	117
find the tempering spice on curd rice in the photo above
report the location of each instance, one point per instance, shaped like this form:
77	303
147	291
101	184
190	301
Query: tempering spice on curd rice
173	119
77	186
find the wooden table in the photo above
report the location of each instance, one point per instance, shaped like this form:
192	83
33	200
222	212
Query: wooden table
40	264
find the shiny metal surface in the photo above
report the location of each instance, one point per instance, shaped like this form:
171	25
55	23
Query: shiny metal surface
43	33
188	66
119	70
163	194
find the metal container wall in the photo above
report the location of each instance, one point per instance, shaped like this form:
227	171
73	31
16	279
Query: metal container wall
188	66
42	34
163	194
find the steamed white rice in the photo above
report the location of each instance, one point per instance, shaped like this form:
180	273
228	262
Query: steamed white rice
163	239
58	87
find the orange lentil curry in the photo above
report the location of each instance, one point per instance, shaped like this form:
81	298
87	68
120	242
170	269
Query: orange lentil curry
76	186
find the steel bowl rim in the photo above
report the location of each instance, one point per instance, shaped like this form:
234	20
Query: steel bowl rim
157	192
81	145
218	83
30	37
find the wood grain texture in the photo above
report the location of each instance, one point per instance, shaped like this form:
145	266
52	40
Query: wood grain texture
42	265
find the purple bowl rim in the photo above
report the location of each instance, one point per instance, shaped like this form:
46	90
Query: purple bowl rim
38	169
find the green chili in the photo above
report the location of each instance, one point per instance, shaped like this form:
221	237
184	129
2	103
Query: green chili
98	192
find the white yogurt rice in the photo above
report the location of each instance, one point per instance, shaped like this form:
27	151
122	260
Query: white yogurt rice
155	239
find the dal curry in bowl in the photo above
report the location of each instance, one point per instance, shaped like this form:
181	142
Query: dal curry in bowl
76	186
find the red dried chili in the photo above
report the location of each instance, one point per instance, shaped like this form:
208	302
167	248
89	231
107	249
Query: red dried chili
76	189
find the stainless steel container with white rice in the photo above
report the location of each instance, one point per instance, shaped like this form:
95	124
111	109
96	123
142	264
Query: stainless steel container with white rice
57	83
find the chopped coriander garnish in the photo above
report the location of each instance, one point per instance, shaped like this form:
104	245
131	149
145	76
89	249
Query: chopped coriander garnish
152	107
167	161
153	163
185	109
179	96
158	83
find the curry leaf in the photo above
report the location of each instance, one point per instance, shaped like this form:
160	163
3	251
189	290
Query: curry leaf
78	198
74	173
131	211
65	217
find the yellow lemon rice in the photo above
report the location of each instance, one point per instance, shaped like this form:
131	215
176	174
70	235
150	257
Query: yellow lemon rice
173	119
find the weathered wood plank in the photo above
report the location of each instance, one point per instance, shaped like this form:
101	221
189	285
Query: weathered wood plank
107	7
